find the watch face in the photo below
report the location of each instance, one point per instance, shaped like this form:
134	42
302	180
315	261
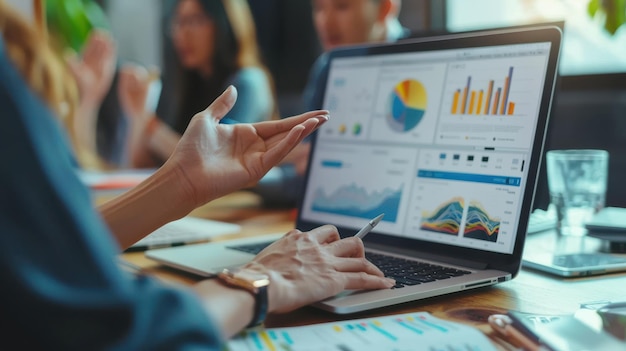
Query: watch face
254	282
252	278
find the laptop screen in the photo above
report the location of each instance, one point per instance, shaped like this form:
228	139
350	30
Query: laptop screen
439	138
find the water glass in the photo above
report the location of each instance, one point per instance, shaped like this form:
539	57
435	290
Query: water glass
577	181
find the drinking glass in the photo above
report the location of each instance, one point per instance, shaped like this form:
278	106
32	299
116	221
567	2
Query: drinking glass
577	181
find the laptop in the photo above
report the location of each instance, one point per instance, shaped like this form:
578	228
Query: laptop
444	135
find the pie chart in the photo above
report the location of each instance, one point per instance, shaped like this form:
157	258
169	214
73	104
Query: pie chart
407	105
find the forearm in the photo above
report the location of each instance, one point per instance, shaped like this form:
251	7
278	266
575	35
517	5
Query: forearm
231	308
160	199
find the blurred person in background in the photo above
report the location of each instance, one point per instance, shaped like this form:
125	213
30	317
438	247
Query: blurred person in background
350	22
214	46
337	23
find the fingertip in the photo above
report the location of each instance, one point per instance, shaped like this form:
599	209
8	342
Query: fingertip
231	94
232	91
322	119
224	103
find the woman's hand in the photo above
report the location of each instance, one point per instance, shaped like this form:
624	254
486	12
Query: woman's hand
95	68
93	72
308	267
216	159
132	89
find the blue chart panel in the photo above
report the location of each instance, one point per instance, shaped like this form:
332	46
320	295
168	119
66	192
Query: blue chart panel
355	201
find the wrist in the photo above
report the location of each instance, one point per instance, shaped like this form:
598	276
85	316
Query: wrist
255	283
230	307
184	185
146	207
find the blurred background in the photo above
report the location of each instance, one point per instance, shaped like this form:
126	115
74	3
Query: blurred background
285	32
589	109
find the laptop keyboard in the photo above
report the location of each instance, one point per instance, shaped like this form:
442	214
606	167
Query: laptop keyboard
408	272
405	272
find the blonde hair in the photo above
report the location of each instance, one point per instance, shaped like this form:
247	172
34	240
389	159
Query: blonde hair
45	73
242	23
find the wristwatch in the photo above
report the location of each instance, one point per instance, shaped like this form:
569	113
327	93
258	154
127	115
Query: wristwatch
256	284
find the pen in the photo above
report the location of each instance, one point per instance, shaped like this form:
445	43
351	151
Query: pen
369	226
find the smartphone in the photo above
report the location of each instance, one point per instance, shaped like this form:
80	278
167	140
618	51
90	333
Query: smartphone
608	220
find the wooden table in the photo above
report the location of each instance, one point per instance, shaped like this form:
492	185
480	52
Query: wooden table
529	292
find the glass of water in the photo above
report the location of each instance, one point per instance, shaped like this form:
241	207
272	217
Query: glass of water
577	180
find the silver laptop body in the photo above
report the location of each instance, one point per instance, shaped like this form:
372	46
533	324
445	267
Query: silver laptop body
444	135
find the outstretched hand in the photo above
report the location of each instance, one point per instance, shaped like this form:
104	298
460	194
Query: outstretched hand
216	159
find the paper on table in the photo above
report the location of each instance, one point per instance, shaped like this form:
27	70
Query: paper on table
401	332
184	231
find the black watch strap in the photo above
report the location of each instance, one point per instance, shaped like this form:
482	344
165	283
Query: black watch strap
260	307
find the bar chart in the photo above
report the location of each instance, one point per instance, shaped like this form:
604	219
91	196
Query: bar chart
492	99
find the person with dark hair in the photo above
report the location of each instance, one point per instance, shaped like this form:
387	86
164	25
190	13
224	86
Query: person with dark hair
210	45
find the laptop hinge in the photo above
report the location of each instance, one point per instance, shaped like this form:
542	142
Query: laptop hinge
429	256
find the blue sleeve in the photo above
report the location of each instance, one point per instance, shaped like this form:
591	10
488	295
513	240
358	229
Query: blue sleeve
61	288
255	101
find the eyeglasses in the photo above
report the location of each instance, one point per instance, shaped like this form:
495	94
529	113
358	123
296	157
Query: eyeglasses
191	22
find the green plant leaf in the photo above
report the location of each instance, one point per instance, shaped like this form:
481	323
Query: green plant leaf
612	13
592	7
71	21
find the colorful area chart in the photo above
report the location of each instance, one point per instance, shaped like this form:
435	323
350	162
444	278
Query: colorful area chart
408	103
480	225
446	218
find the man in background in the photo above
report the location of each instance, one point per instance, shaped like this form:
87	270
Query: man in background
337	23
350	22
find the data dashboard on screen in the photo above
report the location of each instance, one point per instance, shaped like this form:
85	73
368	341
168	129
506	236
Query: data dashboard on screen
438	141
588	49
